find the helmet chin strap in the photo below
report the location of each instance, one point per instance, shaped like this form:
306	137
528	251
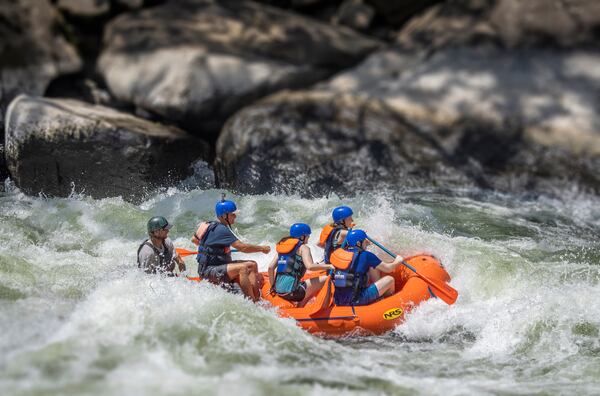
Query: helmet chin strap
230	227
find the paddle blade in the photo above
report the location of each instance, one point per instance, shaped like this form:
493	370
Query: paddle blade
323	298
441	289
184	252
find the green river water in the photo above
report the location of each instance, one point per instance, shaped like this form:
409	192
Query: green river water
78	318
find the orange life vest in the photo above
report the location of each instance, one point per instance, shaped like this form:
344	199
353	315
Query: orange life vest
201	230
325	232
341	259
345	276
328	239
287	246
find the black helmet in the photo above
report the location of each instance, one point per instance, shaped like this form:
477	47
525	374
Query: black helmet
158	223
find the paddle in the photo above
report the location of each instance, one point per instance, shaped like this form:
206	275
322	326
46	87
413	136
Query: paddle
184	252
441	289
323	298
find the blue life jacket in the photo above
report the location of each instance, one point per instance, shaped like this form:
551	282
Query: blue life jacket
211	255
346	277
290	267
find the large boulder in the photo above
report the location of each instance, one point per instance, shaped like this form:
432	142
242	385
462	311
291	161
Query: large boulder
504	24
85	8
315	143
57	147
3	168
196	62
398	12
498	97
32	49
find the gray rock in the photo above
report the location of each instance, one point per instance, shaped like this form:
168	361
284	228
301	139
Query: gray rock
131	4
550	95
511	108
355	14
315	143
399	11
505	24
85	8
32	51
197	62
3	168
58	146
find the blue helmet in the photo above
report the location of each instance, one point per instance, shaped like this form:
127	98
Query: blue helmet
340	213
298	230
355	236
224	207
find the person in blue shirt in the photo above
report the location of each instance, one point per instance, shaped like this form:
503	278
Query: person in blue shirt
215	240
354	271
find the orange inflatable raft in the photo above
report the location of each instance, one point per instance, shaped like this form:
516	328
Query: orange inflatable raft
321	315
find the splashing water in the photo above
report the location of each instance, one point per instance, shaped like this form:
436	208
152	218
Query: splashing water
77	317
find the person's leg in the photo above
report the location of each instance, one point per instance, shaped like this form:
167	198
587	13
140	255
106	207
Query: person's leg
313	286
238	272
255	278
385	286
297	295
253	283
374	275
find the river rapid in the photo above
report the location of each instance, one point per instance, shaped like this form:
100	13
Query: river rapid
77	317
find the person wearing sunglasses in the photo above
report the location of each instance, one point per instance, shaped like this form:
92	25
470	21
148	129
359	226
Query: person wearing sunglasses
215	240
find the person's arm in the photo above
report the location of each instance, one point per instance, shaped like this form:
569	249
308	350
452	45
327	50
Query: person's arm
248	248
390	266
195	239
180	263
176	258
341	236
271	271
308	260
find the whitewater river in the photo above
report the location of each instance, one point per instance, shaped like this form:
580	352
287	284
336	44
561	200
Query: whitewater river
77	317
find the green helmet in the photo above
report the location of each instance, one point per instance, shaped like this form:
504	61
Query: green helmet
158	223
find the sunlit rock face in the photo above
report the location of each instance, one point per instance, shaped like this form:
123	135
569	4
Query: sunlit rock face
197	62
57	147
315	143
505	100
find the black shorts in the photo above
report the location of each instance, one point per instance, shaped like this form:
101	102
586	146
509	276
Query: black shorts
296	295
215	273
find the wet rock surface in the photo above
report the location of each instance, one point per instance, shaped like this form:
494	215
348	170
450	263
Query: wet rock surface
57	147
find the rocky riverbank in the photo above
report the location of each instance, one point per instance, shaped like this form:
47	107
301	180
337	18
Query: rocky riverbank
308	97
